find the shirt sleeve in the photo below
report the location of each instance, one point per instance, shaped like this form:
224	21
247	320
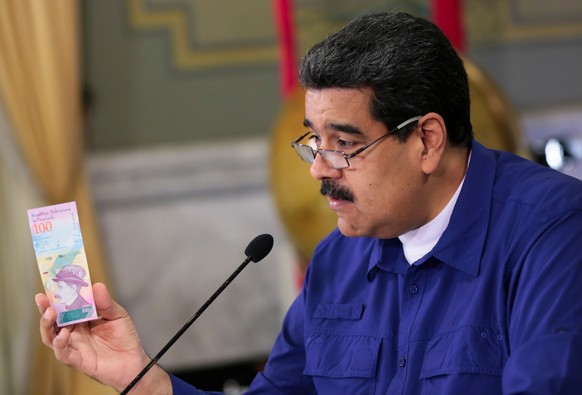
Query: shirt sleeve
180	387
545	314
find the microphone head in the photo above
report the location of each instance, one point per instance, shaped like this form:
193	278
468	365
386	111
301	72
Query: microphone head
259	247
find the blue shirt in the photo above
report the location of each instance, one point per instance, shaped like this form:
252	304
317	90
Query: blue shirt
494	308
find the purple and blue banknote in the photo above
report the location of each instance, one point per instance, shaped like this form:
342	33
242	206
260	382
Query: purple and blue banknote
60	254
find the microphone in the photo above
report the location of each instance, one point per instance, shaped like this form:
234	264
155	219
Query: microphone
257	249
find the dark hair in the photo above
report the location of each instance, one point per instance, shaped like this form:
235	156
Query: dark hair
409	64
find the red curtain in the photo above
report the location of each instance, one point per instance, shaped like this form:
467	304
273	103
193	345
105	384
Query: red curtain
284	22
448	15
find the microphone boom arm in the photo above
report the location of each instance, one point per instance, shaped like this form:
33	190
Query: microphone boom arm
257	249
186	326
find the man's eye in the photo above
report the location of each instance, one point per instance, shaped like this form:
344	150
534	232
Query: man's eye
343	144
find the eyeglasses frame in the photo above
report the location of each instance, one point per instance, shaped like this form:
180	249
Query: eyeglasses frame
295	144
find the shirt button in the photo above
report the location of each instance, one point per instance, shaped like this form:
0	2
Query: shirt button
402	362
413	289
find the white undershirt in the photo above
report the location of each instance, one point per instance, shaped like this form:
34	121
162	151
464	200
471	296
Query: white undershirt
419	242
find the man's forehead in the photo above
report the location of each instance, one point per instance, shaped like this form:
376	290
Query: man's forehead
345	110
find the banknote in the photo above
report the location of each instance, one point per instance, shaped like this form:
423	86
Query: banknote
60	254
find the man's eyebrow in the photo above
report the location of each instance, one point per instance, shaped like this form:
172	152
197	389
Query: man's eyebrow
340	127
346	128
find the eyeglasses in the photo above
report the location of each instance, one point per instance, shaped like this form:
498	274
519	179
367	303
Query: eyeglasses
338	159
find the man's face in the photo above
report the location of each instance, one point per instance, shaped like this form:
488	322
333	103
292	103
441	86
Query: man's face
379	194
67	292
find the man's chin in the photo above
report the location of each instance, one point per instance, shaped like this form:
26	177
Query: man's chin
347	229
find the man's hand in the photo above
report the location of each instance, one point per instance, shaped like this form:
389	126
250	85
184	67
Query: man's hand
108	349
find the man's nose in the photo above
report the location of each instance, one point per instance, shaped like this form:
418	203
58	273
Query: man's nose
321	170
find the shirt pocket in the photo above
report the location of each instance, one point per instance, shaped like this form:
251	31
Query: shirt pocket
338	360
469	349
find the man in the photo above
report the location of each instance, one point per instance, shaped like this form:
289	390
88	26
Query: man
454	269
70	281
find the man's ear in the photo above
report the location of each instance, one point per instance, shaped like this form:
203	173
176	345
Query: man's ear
434	139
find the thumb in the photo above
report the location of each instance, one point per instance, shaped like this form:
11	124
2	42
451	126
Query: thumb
107	308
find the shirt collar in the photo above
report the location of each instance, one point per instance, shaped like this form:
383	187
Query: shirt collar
387	255
461	244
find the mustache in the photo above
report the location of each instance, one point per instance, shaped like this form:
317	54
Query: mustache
331	189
